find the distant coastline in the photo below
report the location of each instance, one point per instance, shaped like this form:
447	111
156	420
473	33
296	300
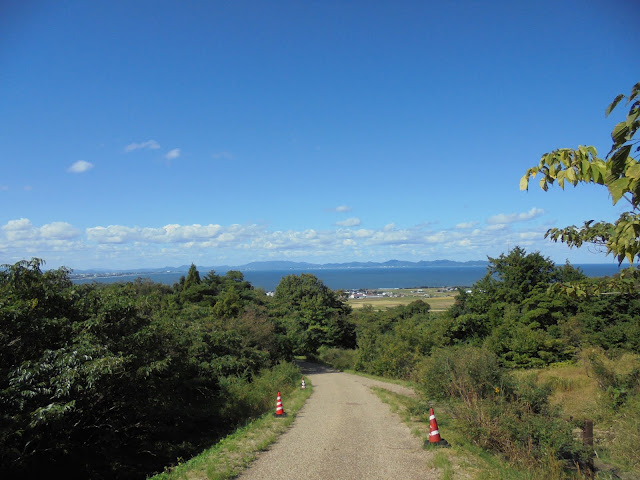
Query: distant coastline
283	265
343	276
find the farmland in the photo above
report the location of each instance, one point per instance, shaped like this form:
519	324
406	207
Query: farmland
439	298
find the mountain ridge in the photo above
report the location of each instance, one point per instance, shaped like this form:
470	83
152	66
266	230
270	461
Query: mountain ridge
289	265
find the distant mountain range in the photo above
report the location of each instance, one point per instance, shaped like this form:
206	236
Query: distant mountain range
285	265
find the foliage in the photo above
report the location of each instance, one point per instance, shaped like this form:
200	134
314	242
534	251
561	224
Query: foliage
338	358
392	343
312	314
498	412
465	372
619	171
115	381
619	387
513	313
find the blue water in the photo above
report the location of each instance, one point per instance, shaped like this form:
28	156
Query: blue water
356	278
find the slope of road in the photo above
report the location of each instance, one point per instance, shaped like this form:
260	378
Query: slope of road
344	432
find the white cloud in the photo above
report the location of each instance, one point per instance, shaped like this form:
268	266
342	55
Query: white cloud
464	225
19	230
342	208
60	231
530	235
172	154
503	218
349	222
176	244
80	166
149	144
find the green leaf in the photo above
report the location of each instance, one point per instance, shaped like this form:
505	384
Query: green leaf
618	188
543	184
598	171
561	177
619	159
633	171
524	182
613	104
619	133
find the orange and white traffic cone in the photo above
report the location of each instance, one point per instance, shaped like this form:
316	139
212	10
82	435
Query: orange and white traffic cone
279	409
303	385
434	434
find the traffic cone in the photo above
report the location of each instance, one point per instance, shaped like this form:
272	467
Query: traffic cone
434	434
279	409
303	385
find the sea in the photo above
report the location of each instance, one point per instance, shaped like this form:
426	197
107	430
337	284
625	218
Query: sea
355	278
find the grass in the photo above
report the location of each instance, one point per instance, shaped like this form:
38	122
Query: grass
234	453
616	431
463	460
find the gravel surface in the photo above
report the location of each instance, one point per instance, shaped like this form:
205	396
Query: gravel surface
344	432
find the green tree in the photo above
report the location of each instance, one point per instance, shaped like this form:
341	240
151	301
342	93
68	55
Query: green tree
619	172
314	314
193	277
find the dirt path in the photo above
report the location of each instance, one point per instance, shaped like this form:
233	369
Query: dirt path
344	432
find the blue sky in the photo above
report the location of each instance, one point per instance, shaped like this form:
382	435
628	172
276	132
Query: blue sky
155	133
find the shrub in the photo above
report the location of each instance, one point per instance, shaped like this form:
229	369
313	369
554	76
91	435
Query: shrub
338	358
464	372
520	424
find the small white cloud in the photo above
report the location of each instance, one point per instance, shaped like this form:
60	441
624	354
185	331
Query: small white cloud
172	154
150	144
80	166
349	222
466	225
343	208
504	218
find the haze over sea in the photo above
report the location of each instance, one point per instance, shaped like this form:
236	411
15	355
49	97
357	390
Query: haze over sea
358	278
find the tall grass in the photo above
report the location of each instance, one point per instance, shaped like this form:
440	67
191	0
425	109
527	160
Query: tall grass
500	413
249	398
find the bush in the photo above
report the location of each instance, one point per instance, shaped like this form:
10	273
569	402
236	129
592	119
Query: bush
496	411
520	424
464	372
338	358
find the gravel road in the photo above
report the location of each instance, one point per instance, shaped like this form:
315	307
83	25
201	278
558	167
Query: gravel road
344	432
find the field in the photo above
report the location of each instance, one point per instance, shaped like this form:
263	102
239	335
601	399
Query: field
439	298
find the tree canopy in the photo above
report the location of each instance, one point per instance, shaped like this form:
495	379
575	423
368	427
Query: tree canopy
315	314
